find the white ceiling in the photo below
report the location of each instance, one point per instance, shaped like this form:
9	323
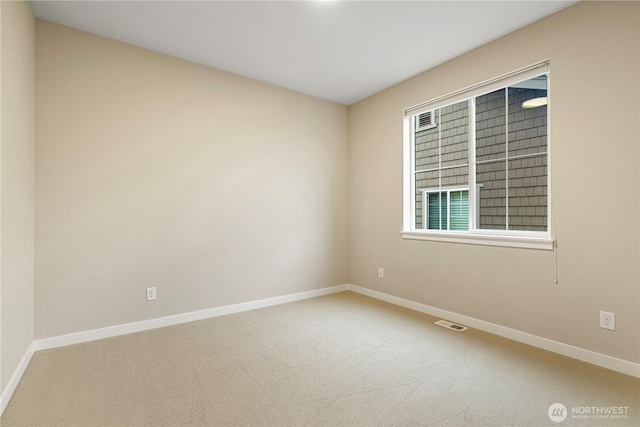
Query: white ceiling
337	50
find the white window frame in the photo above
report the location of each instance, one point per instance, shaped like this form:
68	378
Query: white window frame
510	238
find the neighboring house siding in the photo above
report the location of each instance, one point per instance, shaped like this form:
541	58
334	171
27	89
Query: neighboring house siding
453	122
527	176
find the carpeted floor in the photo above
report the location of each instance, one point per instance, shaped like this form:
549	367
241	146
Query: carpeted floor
338	360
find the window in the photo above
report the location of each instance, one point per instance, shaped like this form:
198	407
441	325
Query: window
446	210
476	164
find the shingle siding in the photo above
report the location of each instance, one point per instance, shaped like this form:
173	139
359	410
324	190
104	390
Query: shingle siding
527	177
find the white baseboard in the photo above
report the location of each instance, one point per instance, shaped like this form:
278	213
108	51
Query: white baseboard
582	354
15	378
112	331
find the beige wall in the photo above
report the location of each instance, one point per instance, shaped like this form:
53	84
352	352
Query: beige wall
17	124
594	49
153	171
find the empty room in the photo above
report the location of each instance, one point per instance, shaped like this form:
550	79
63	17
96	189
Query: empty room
319	213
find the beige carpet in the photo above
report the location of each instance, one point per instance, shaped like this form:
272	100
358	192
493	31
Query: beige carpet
338	360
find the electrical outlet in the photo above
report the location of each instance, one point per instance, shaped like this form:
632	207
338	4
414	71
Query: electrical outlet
151	294
381	273
608	320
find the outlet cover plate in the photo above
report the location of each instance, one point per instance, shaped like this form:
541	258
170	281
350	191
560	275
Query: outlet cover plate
151	294
608	320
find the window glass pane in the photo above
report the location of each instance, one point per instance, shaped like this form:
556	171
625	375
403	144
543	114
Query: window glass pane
528	193
454	122
427	149
455	177
490	126
454	145
528	117
491	183
441	160
459	210
437	211
424	181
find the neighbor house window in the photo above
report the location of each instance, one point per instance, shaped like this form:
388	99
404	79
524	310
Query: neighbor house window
446	210
476	164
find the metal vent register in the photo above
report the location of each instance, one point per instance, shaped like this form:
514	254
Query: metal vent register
425	121
450	325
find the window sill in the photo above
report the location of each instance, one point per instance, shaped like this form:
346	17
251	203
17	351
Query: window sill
541	243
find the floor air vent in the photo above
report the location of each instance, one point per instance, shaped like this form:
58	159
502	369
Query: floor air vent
450	325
